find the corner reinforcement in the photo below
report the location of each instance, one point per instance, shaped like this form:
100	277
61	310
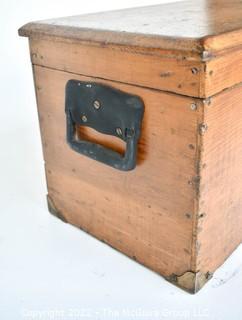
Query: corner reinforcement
191	281
53	210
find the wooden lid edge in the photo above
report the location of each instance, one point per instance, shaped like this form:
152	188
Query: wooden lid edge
206	47
106	37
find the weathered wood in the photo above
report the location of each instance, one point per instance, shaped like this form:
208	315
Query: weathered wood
179	211
170	73
219	229
223	72
146	213
189	26
151	71
171	220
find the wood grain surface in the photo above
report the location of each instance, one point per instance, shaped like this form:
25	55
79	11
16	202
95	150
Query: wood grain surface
190	25
153	71
219	228
179	211
180	74
190	48
146	213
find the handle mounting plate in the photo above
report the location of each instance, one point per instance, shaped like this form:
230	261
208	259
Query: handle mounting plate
108	111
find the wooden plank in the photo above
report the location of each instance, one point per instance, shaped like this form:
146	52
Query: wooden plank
184	76
146	213
220	203
152	71
222	72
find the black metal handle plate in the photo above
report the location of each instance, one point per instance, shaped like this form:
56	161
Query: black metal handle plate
109	111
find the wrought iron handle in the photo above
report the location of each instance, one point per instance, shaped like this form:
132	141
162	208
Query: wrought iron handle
109	111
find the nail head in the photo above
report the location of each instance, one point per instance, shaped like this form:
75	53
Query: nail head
193	106
194	70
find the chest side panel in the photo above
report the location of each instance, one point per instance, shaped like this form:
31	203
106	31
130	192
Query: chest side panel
220	222
145	213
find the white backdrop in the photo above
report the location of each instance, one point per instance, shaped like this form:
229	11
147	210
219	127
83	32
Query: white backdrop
48	269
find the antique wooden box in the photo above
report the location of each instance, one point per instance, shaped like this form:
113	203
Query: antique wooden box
141	120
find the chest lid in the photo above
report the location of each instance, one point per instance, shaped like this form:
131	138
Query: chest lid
196	45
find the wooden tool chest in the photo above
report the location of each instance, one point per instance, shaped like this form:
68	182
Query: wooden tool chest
141	124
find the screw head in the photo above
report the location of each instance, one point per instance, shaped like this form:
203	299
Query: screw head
119	131
97	104
194	70
193	106
84	118
129	132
